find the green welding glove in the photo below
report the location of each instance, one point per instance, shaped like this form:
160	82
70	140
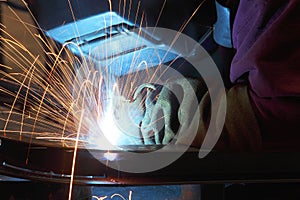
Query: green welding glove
170	109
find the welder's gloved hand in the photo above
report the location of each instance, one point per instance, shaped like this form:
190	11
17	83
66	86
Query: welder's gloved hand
170	108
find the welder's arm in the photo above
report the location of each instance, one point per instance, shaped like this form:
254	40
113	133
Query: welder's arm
170	108
168	113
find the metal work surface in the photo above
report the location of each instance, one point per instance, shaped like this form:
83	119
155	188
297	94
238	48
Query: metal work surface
217	167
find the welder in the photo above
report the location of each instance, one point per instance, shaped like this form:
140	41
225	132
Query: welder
263	103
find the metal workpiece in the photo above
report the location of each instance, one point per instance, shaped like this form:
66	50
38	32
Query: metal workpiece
217	167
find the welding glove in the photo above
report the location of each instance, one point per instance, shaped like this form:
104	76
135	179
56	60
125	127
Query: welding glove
170	108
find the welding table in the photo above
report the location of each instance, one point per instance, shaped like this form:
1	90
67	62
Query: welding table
216	167
53	165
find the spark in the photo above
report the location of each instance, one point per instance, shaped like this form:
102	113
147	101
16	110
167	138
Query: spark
113	196
49	89
62	97
74	157
99	198
122	197
160	13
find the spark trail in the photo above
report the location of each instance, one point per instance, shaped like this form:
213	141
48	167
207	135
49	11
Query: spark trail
60	99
